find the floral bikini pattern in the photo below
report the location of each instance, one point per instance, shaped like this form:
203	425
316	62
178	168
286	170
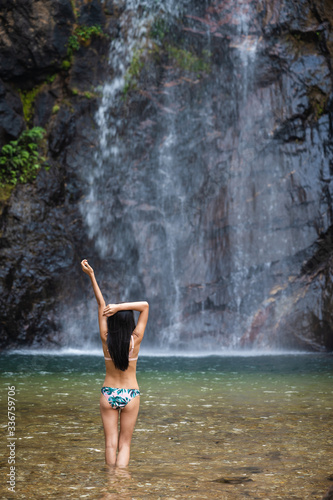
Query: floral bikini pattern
118	398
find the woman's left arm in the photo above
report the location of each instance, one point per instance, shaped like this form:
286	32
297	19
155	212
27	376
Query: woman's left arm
142	307
86	268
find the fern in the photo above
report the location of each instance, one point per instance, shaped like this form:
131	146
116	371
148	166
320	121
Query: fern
20	160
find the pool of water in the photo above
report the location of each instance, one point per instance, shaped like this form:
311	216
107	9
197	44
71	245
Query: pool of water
209	428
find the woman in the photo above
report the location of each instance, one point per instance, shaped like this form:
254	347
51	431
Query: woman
121	341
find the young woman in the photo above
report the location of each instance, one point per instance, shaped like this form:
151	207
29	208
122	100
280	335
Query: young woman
121	341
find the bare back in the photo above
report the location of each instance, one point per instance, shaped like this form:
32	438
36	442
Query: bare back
114	377
118	378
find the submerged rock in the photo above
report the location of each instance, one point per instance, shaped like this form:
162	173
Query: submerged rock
329	494
233	480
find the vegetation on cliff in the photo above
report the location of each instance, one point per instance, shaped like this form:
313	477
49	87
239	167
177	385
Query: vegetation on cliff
20	160
163	49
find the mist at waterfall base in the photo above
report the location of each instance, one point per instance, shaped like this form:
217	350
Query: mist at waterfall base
189	201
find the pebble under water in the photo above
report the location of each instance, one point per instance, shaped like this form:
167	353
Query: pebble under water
224	428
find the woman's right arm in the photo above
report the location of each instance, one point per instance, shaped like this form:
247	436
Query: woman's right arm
142	307
87	269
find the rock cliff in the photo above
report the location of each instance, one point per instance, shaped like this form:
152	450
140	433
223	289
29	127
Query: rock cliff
203	185
42	233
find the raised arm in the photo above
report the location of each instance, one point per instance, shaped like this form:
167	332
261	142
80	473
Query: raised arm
86	268
142	307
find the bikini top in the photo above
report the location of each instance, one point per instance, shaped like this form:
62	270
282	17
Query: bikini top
130	353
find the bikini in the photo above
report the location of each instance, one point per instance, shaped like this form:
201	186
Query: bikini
119	398
130	353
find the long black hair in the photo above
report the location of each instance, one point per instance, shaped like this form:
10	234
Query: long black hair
120	328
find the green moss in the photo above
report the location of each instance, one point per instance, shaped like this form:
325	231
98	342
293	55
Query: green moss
85	33
73	45
188	61
28	99
67	103
318	102
159	30
133	72
66	64
5	192
136	64
74	8
55	109
82	35
51	78
20	160
184	59
87	94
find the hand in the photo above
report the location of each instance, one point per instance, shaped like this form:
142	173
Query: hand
86	268
110	310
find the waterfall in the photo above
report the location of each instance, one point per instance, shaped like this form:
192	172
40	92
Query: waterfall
111	196
242	212
188	195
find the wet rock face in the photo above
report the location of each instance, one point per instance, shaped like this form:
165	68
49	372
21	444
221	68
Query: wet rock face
221	183
11	119
300	314
42	234
214	198
34	38
42	240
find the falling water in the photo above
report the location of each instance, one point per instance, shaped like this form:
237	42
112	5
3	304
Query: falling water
242	212
184	197
111	196
171	197
134	22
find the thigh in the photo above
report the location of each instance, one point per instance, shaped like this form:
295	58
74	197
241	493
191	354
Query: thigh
128	417
109	417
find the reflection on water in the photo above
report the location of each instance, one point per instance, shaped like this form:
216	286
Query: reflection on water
215	427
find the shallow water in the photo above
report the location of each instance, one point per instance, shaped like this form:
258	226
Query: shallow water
264	423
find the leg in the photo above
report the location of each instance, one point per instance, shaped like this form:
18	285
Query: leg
128	416
110	424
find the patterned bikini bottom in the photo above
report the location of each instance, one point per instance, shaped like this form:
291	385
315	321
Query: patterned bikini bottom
119	398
